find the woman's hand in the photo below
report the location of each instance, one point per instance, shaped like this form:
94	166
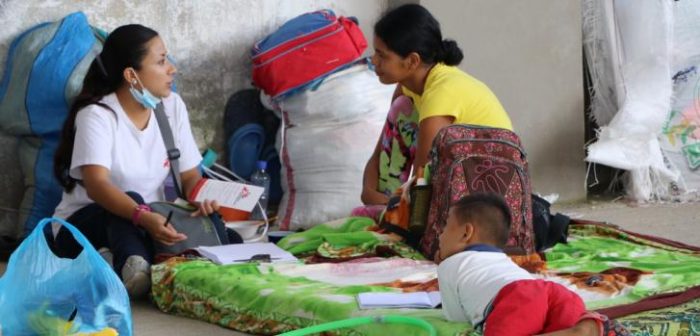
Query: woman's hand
156	227
190	179
205	208
371	196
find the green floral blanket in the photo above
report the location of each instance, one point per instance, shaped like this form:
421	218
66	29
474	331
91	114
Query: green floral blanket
609	267
606	266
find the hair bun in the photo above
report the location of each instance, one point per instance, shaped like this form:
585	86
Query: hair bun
451	53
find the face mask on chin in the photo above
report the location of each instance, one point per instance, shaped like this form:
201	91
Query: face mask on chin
144	97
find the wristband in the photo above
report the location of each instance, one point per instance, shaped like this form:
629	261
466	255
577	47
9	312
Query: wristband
137	213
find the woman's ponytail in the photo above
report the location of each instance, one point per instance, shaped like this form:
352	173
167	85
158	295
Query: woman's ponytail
451	53
94	88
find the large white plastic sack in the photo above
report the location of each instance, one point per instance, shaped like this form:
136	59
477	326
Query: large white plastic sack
642	49
601	51
680	140
343	98
327	136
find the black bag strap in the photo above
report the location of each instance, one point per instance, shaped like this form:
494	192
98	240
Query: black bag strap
173	153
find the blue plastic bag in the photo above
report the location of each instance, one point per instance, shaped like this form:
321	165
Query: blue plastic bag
40	291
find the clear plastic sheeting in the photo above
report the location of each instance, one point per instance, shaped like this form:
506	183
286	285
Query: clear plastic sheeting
639	46
599	46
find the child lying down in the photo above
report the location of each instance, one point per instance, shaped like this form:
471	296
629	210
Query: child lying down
480	284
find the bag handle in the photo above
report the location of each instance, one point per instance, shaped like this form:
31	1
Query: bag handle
79	237
173	153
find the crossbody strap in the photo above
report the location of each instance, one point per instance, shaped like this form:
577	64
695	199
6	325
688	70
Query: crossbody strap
173	153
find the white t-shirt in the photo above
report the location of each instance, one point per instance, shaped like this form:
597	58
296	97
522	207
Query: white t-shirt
136	159
470	280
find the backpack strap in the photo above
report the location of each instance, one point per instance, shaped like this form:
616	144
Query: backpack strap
173	153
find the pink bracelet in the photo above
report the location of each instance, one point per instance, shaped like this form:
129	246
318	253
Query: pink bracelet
137	213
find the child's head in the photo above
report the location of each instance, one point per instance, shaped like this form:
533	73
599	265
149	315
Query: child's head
408	37
475	219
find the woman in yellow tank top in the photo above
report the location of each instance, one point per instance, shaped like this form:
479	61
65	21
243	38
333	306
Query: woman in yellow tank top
410	51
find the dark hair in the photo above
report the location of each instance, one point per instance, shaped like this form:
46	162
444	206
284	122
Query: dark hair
125	47
488	211
411	28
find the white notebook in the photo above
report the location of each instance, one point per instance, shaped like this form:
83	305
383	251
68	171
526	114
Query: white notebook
399	300
241	253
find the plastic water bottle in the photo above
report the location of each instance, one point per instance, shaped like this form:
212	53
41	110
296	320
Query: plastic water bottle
262	179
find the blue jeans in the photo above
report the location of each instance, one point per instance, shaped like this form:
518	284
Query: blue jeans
105	229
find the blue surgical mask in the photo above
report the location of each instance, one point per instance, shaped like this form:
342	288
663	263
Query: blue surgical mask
144	97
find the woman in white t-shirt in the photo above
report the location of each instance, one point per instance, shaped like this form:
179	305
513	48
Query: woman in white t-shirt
112	160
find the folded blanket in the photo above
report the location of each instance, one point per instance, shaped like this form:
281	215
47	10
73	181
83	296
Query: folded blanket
345	239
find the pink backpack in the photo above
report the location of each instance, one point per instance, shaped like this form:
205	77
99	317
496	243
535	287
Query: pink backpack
467	159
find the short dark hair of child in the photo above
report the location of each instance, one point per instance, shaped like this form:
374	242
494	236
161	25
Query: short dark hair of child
488	211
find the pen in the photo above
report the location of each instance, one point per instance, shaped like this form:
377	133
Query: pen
167	220
258	257
254	259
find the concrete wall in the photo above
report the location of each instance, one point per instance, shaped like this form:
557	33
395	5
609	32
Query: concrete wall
529	53
210	40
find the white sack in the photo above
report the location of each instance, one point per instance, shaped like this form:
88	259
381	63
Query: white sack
644	36
328	134
681	132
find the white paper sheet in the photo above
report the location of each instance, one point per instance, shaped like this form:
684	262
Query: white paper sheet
241	253
399	300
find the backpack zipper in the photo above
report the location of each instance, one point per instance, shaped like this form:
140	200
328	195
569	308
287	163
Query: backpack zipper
505	142
257	48
340	29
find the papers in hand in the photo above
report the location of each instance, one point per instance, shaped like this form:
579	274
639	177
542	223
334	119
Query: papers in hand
399	300
229	194
241	253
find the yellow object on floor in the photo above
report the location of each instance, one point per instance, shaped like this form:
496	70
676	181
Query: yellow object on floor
54	326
